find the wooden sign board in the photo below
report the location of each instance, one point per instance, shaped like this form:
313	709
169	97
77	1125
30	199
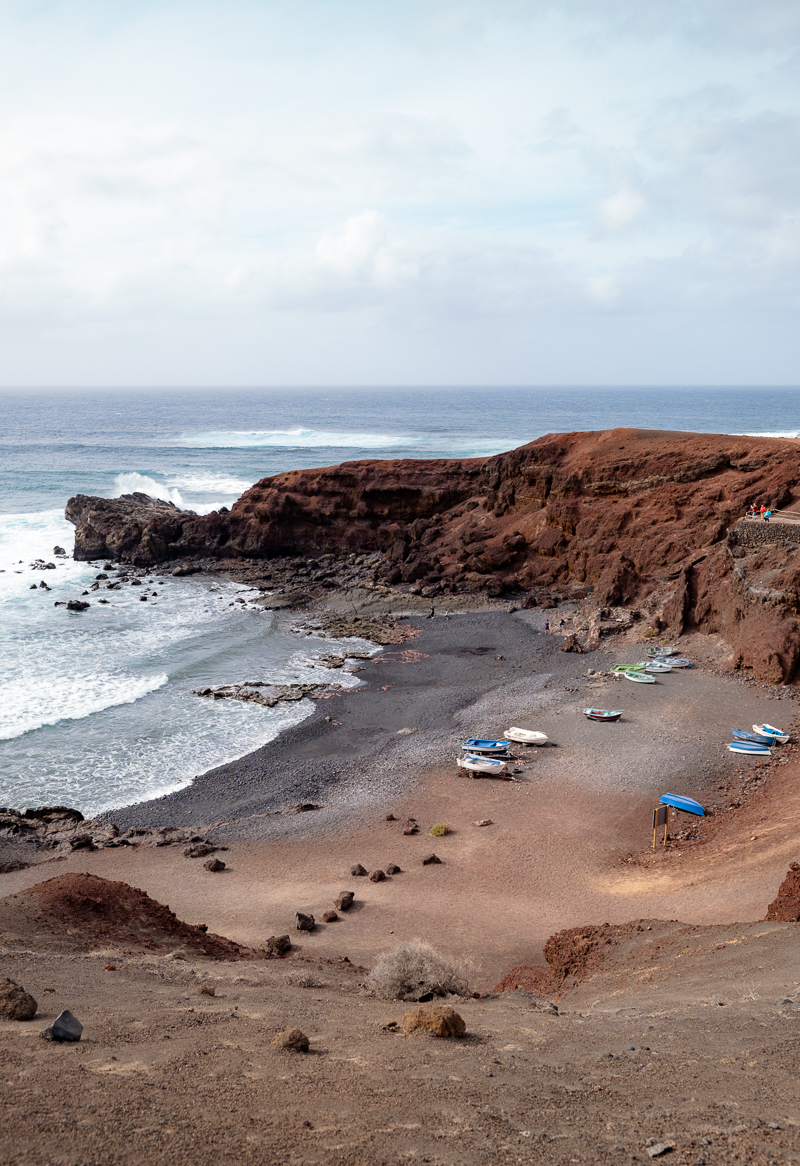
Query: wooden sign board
660	818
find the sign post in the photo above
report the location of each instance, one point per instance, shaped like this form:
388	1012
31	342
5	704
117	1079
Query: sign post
660	818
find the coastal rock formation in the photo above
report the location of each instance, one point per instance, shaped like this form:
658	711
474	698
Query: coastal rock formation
629	518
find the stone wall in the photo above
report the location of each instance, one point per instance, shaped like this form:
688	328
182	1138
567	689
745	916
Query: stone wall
754	533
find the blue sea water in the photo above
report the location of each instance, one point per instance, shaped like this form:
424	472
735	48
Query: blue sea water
96	709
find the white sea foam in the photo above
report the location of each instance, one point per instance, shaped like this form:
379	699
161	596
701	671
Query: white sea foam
450	445
771	433
67	697
132	483
295	438
218	484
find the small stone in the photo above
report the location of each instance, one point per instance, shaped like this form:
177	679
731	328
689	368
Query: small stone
292	1038
438	1019
205	990
329	917
278	944
377	876
391	818
15	1002
65	1027
77	605
198	850
393	869
305	922
214	865
110	968
431	860
344	900
660	1148
358	870
483	822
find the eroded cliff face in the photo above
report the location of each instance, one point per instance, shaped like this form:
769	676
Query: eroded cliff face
626	517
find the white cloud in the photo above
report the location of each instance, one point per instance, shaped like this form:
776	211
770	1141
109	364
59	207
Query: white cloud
204	171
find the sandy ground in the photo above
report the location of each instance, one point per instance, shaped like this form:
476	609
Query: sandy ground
568	844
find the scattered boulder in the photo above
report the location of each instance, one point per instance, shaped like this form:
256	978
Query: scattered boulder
305	922
329	917
205	990
570	643
785	908
65	1027
344	900
391	818
15	1002
278	945
358	870
214	865
437	1019
77	605
411	827
199	850
292	1038
393	869
483	822
431	860
377	876
59	551
302	808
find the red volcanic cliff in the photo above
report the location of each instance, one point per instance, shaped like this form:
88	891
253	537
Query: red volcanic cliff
628	516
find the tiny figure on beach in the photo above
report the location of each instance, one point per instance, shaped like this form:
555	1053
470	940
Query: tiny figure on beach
763	510
753	510
766	515
547	625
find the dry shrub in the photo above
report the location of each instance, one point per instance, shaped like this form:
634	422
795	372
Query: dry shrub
413	970
439	830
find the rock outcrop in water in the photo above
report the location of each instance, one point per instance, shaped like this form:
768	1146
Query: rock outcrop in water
628	517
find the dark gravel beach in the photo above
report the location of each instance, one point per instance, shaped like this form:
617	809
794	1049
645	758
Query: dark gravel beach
349	752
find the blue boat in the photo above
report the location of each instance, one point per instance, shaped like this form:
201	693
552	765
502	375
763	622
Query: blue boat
752	747
481	745
759	738
688	805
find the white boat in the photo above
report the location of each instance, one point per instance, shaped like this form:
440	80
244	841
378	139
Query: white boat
488	765
525	736
750	747
639	677
657	666
675	661
661	650
771	731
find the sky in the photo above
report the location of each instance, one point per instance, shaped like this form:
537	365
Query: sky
290	192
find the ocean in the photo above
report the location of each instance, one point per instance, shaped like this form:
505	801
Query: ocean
96	709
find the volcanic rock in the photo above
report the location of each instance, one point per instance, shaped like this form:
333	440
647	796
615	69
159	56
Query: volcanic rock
215	865
785	907
344	900
305	922
278	945
377	876
65	1027
15	1002
431	860
358	870
292	1038
329	917
438	1019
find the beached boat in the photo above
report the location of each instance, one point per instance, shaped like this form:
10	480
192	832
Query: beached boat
603	714
639	677
675	661
526	736
662	650
657	666
770	731
628	667
750	747
491	766
688	805
759	738
482	745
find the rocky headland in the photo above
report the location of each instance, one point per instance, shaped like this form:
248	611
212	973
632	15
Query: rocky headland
649	521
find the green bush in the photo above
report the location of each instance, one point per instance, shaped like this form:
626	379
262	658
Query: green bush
439	830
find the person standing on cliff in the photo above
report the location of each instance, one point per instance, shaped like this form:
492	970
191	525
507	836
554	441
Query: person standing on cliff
753	510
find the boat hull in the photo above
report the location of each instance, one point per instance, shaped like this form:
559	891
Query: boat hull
602	714
639	677
525	736
750	747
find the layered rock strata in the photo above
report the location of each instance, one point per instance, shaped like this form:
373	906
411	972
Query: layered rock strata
629	518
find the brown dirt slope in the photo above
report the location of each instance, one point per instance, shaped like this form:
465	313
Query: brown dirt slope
83	912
